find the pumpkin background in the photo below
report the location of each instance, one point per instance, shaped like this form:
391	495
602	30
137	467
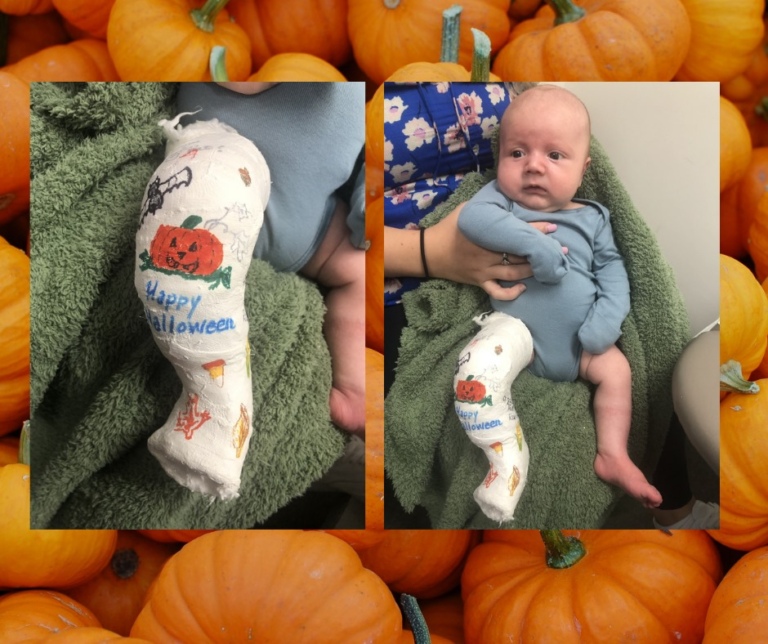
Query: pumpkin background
67	40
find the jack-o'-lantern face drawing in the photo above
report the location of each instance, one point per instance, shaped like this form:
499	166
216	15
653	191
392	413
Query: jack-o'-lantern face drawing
186	249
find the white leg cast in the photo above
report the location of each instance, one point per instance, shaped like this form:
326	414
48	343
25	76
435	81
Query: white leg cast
485	371
202	213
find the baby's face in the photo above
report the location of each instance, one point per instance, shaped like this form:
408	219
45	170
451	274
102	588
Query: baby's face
543	150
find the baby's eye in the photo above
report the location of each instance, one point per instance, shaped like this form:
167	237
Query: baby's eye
555	155
517	154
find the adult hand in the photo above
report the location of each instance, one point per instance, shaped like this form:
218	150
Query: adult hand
450	255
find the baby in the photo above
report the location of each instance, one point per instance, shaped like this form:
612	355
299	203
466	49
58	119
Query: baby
573	306
251	170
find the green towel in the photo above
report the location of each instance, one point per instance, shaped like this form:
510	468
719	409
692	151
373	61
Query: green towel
429	459
99	385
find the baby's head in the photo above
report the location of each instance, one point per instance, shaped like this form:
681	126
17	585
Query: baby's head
543	148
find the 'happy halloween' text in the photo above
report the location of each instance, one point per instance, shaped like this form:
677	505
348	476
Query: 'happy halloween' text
164	320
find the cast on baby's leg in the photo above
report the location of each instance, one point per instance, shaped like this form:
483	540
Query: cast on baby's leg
485	371
202	213
611	373
340	267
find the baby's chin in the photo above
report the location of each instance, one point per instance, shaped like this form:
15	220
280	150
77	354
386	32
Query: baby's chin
245	87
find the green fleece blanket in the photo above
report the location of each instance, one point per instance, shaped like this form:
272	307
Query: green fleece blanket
100	386
429	459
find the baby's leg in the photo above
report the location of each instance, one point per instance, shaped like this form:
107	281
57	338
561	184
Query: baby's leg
611	373
340	267
202	213
486	369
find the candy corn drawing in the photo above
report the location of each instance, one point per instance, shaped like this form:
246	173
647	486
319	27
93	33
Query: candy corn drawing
240	431
215	369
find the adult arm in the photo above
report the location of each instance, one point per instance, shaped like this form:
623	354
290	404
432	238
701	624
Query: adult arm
451	256
602	326
488	221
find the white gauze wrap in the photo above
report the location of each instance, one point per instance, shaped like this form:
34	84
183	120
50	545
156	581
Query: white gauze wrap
201	215
482	385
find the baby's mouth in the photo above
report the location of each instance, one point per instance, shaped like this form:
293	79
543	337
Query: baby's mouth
535	189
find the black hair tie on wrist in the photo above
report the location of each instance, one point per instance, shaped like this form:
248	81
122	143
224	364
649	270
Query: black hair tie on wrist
423	255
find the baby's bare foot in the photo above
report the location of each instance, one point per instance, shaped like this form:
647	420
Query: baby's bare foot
348	410
622	472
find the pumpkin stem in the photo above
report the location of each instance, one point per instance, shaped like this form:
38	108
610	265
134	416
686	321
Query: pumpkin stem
449	44
124	563
415	619
562	551
566	11
190	222
732	379
24	444
205	17
761	109
481	57
217	65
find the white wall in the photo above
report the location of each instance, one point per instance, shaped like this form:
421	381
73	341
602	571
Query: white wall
664	142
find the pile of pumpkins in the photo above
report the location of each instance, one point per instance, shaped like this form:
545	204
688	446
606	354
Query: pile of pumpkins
199	586
392	586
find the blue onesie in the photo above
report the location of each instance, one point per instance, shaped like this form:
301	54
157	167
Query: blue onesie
312	136
575	300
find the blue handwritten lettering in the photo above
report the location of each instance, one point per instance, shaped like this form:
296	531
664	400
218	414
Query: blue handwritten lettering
163	323
175	300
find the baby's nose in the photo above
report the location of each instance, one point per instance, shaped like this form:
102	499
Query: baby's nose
535	163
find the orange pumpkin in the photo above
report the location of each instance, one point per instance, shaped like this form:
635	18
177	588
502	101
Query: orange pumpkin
374	439
409	32
186	249
50	558
743	198
374	275
359	539
591	586
422	563
296	67
744	316
522	9
14	329
735	145
14	142
31	615
445	616
84	60
737	611
173	536
116	595
90	635
89	16
732	242
762	369
748	91
743	454
757	242
9	450
268	586
25	7
597	40
31	33
171	40
293	26
724	33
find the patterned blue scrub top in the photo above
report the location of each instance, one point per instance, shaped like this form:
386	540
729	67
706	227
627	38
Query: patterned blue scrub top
434	133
